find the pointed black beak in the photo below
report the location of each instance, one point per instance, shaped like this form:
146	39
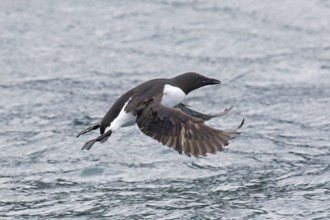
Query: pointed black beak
211	81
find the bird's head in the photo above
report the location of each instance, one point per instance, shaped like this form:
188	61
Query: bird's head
191	81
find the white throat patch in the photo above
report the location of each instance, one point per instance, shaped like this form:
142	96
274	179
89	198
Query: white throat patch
172	95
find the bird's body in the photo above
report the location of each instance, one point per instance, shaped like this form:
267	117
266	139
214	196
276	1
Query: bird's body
155	106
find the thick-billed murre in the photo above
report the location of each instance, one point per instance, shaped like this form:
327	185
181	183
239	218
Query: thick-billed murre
155	106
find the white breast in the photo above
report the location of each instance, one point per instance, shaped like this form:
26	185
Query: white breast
172	96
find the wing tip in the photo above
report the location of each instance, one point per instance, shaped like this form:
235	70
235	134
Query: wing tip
242	123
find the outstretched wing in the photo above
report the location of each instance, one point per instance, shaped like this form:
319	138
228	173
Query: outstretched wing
183	133
197	114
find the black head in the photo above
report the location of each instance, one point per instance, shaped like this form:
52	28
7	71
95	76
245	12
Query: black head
191	81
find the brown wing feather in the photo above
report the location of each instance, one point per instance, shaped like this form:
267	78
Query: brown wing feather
183	133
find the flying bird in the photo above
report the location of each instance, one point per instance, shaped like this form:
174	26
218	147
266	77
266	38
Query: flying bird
157	109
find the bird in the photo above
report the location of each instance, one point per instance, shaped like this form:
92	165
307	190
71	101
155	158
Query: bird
156	107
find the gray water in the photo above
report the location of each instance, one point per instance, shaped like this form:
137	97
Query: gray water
63	63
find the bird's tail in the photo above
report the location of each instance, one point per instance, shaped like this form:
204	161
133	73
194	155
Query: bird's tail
102	138
96	126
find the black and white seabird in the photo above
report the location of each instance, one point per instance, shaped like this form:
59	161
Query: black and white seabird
156	107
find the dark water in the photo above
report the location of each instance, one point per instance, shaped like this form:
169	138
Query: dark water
63	63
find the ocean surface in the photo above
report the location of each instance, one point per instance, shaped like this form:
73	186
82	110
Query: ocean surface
63	63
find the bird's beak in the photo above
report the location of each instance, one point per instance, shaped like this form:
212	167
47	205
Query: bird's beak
211	81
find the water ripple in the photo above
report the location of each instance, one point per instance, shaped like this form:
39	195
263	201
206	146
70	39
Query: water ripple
64	62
